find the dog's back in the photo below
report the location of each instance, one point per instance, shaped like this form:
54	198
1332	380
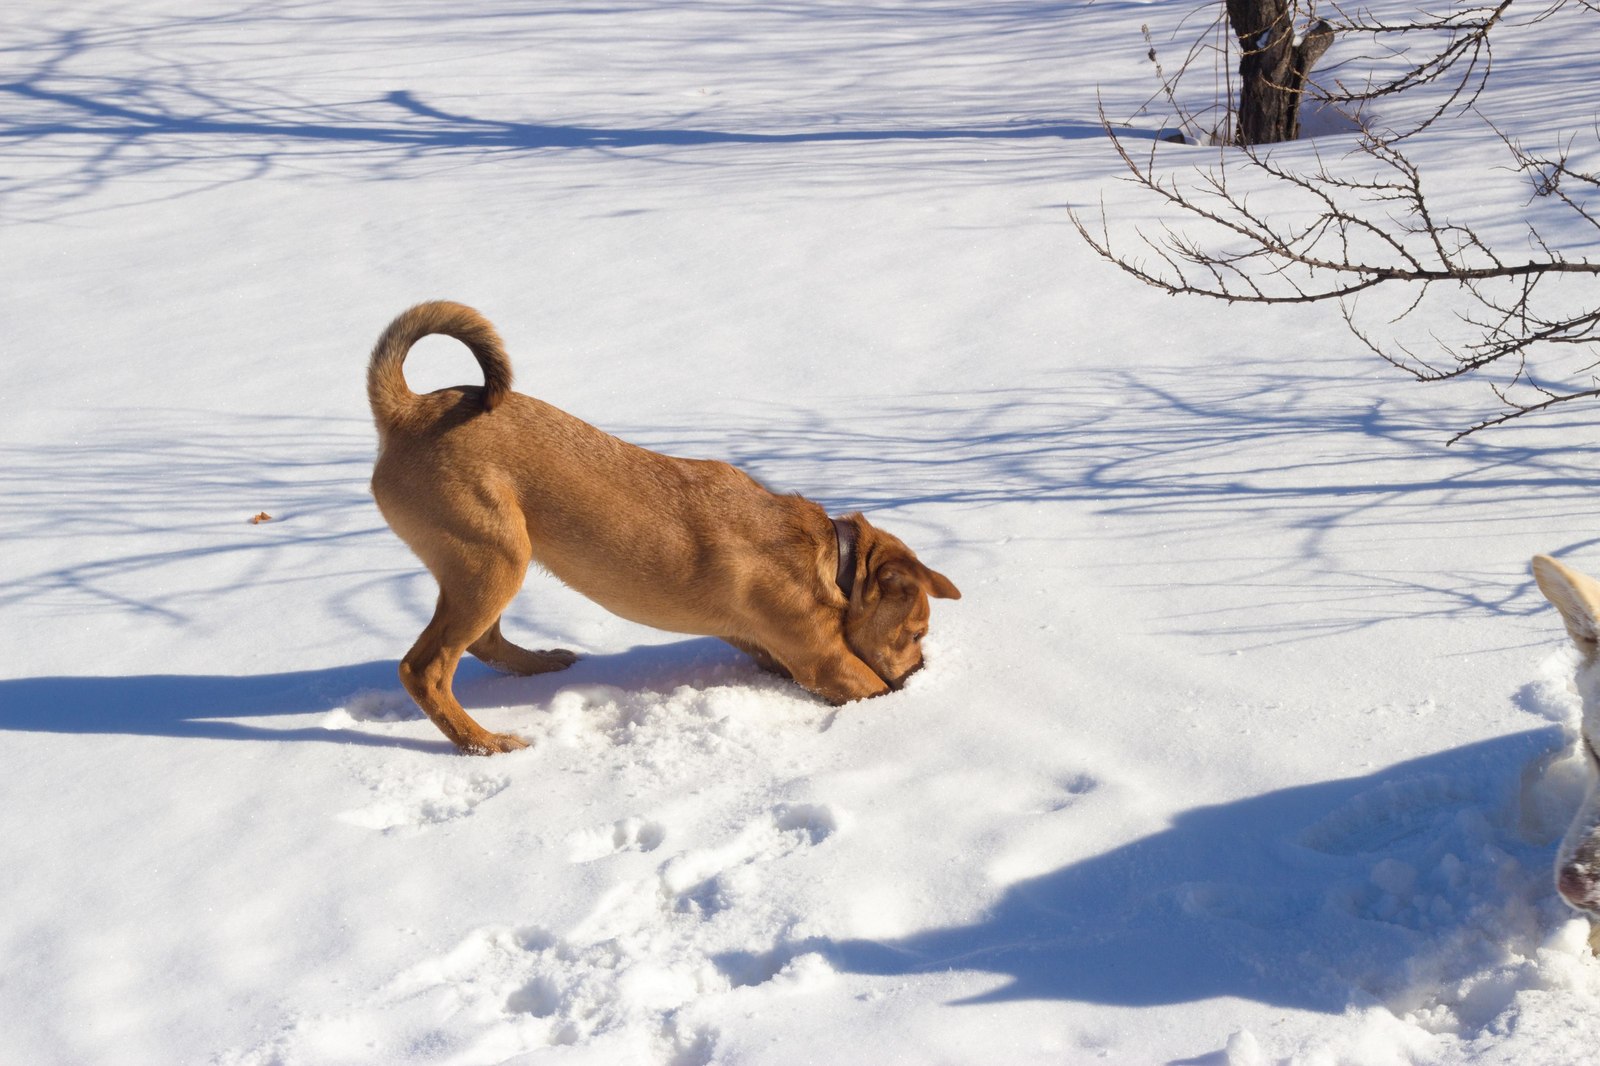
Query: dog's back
632	529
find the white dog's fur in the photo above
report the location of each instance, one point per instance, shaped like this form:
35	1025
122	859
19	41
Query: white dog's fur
1577	597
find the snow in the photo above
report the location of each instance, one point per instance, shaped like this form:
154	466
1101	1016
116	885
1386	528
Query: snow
1250	740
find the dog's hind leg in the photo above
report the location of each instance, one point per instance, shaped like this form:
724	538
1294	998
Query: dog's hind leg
494	649
471	597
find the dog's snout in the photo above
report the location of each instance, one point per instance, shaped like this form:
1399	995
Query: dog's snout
898	683
1576	883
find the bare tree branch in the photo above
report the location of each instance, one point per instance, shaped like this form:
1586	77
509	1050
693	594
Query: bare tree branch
1337	233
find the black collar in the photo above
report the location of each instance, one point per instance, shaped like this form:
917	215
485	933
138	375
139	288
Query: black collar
845	531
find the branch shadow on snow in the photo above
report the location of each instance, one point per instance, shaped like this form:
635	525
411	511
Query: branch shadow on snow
140	107
419	126
1318	897
1299	468
147	515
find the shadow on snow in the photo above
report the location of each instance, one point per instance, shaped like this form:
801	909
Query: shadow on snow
221	707
1195	457
127	100
1269	898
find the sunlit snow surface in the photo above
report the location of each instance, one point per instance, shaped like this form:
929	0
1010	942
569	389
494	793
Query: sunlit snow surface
1250	740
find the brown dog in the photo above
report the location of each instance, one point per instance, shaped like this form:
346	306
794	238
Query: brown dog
481	481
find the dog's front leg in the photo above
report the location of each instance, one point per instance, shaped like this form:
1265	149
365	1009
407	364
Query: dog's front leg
835	674
763	658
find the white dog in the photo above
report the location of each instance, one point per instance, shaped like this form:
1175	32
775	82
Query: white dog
1577	597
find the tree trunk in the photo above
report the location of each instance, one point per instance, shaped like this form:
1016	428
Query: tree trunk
1272	68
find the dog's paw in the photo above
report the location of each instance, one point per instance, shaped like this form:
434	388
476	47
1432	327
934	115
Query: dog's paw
526	663
510	658
492	744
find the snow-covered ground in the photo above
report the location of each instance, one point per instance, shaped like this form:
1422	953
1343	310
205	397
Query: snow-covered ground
1249	741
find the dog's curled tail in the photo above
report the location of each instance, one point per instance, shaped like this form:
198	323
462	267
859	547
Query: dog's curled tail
391	397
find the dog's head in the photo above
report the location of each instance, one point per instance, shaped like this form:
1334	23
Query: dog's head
888	613
1577	597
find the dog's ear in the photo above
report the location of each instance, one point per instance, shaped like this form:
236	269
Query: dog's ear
905	575
939	586
1576	596
936	585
